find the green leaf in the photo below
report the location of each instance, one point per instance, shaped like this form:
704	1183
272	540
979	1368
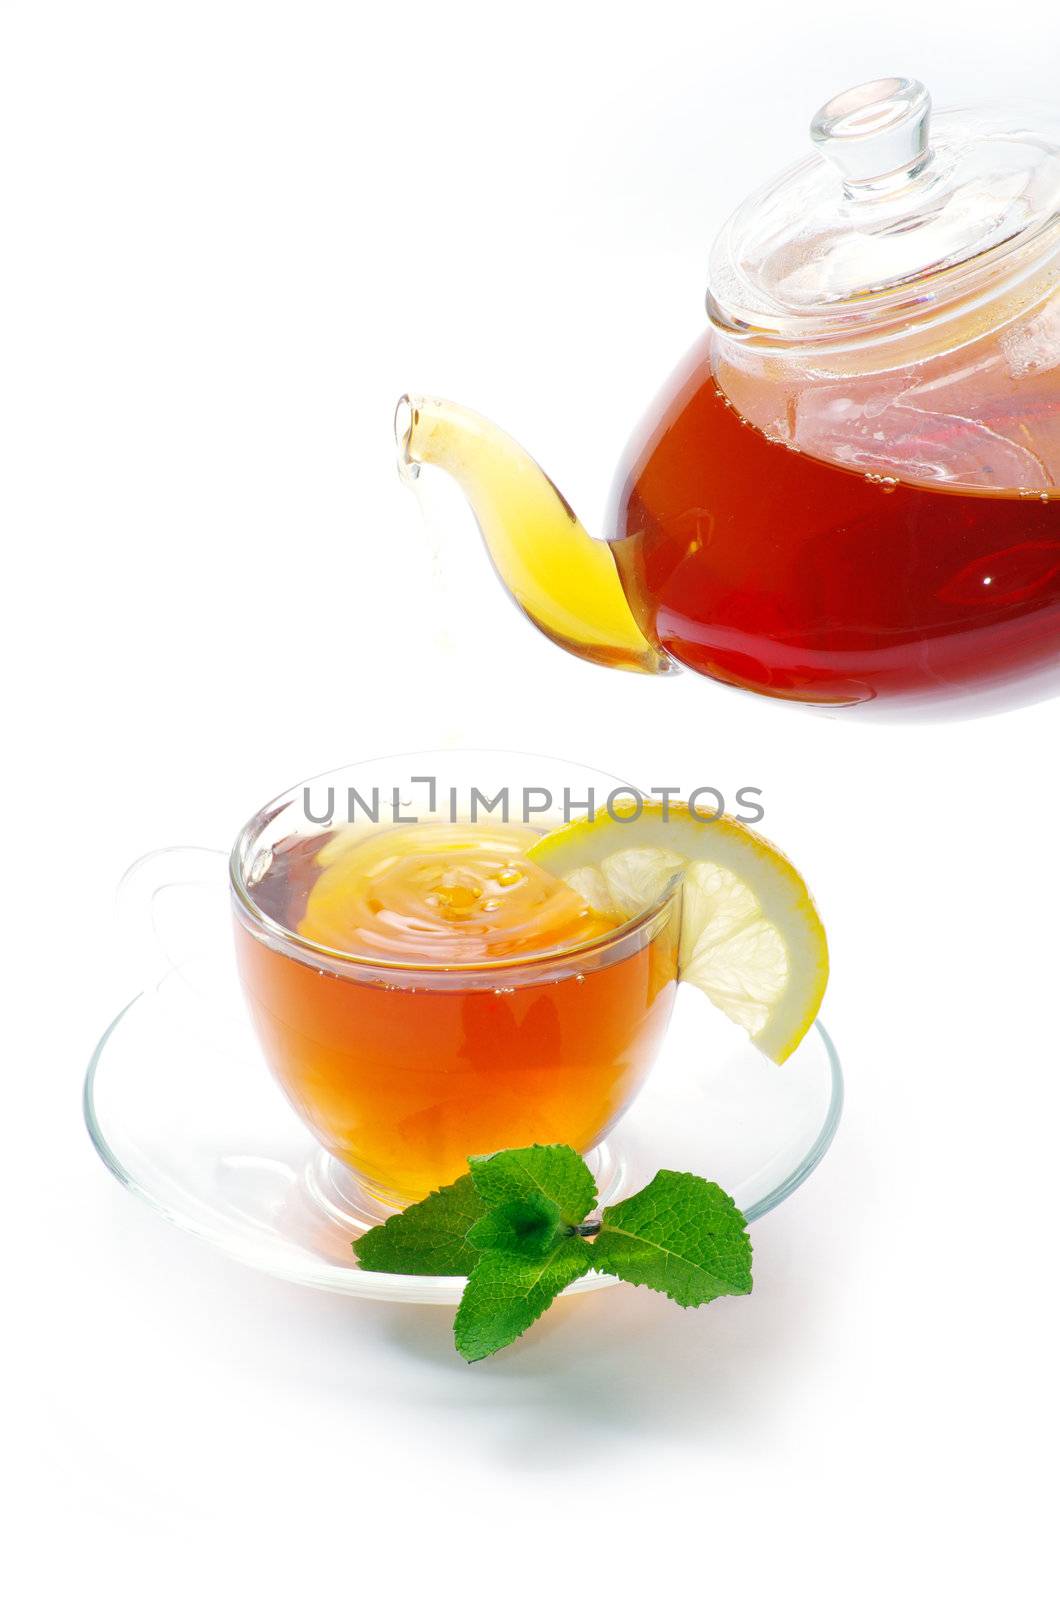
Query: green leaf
506	1293
680	1235
429	1238
522	1227
553	1171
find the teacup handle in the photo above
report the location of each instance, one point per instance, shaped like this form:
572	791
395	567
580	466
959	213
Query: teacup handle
174	926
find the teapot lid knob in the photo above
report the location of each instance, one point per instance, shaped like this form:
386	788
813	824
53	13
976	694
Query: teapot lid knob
876	135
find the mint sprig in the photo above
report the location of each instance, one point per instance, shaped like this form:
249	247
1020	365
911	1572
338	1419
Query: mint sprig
515	1226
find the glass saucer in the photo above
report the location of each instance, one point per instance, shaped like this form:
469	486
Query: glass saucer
182	1108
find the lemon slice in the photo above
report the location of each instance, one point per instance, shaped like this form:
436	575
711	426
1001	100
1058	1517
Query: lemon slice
751	938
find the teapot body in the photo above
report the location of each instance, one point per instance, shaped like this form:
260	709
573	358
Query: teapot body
857	527
848	495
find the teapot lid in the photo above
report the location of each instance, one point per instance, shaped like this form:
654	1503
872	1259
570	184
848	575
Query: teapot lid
898	215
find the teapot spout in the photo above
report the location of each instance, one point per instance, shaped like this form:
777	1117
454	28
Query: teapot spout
566	582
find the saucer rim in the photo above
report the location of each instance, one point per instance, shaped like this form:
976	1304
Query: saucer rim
396	1285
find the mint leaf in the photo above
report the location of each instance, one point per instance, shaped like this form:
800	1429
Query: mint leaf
523	1227
551	1171
428	1238
680	1235
506	1293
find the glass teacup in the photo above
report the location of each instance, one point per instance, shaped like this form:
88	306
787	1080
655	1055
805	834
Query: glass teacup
403	1064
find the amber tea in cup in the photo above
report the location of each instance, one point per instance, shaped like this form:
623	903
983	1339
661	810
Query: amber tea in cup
424	992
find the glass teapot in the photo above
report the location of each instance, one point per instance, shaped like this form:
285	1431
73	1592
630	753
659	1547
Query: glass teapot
849	492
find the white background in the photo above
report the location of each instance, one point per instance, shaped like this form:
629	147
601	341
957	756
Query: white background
233	234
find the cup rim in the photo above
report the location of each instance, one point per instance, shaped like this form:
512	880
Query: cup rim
554	954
